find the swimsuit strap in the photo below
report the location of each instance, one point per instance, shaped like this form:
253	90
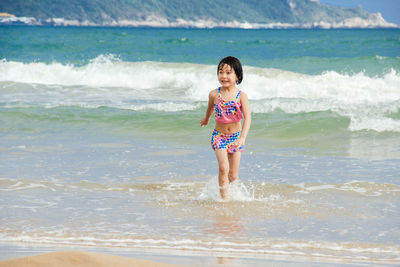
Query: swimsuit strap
238	94
219	93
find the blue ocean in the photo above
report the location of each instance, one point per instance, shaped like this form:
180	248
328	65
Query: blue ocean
101	144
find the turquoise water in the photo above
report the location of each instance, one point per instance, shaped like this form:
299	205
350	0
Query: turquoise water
306	51
101	145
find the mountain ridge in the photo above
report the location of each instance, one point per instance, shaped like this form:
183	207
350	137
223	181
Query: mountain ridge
190	13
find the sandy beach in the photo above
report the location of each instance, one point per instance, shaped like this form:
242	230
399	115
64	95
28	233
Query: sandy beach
79	258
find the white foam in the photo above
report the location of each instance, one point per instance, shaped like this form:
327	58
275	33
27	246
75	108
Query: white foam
365	100
362	188
107	71
166	106
24	186
378	124
170	87
374	20
325	249
237	191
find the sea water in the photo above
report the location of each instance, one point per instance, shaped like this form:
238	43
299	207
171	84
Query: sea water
101	144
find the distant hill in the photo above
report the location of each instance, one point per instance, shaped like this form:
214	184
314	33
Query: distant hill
191	13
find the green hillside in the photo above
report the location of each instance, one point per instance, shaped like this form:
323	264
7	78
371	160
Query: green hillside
252	11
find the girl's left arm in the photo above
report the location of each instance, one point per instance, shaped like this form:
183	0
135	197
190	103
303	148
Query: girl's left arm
247	118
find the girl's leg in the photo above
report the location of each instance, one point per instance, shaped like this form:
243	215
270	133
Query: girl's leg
223	180
234	162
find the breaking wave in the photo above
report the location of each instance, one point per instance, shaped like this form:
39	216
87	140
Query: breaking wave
371	103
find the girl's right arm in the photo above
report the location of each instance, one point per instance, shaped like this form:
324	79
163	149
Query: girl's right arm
210	109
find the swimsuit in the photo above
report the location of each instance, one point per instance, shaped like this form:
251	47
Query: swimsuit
225	141
227	112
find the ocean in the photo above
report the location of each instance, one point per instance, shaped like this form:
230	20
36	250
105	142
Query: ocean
101	144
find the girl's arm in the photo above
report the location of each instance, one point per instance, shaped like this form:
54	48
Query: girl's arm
247	119
210	109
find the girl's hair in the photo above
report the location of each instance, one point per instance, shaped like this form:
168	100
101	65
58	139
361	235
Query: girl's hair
235	64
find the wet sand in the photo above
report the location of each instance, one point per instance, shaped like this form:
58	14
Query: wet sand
79	258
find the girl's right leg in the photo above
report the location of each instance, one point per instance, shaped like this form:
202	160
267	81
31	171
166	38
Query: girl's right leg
234	162
223	164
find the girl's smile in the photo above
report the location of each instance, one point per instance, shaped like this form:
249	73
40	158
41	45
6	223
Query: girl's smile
227	76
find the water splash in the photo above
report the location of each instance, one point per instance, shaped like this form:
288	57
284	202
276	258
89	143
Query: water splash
237	191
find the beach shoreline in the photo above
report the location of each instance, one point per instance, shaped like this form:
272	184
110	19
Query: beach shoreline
32	255
18	253
80	258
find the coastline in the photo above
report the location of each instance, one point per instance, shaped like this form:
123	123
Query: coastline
18	255
80	258
375	21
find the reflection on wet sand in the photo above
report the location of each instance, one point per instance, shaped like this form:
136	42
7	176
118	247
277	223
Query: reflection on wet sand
226	226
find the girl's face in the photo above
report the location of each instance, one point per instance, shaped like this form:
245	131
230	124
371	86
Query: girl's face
227	76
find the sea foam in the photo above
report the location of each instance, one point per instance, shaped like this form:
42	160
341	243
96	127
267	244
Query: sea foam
170	87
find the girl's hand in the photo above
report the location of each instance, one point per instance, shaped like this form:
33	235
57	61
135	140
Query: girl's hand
203	122
240	142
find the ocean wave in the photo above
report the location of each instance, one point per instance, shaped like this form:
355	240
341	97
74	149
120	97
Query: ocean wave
193	81
107	71
171	87
330	251
240	191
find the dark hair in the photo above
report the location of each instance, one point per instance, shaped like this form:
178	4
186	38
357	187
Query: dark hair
235	64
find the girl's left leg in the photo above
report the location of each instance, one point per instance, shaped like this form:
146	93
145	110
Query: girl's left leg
234	162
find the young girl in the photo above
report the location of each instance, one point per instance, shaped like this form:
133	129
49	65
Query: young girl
231	106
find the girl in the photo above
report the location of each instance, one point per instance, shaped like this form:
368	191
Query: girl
231	106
